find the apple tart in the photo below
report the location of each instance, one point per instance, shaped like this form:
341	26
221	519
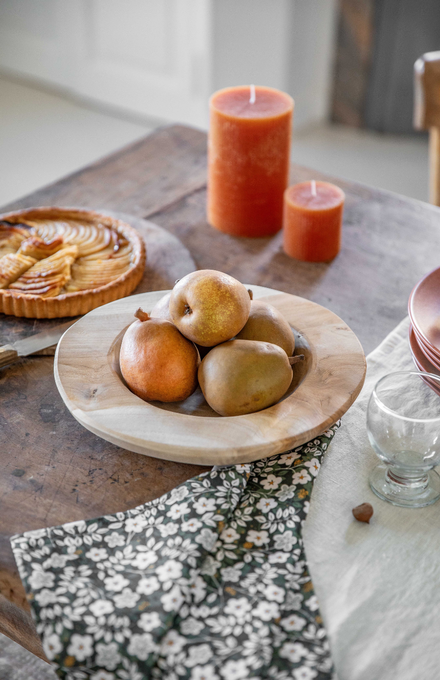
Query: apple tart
58	262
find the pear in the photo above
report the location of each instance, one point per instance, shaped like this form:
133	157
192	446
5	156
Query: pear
161	309
157	362
243	376
209	307
267	324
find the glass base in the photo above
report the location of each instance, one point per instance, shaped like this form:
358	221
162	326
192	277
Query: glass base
403	491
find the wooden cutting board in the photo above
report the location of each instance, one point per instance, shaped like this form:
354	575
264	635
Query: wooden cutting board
323	388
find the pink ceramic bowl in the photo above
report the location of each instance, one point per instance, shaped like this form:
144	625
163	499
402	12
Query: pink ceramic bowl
424	311
426	349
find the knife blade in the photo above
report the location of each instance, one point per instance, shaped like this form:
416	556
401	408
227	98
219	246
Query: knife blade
33	344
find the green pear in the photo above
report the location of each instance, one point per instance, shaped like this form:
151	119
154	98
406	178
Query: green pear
267	324
243	376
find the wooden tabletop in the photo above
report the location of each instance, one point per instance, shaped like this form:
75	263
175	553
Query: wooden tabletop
55	471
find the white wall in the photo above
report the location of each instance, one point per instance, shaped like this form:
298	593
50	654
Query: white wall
286	44
251	42
163	58
311	58
146	57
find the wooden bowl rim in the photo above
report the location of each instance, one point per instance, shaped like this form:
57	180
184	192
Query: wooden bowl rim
322	398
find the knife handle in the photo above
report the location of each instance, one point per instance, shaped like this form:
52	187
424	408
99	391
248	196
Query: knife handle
7	355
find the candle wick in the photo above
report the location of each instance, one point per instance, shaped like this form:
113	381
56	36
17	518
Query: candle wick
252	98
313	187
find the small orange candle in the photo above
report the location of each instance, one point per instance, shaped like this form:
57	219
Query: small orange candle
312	221
248	159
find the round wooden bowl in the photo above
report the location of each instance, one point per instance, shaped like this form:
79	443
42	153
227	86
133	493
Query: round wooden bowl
17	303
324	386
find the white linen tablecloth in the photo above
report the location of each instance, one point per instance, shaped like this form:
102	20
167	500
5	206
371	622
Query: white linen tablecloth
378	584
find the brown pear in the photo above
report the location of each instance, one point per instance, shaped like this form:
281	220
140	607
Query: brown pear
243	376
161	310
267	324
157	362
209	307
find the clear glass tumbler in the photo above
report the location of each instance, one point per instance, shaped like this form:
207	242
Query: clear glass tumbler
403	425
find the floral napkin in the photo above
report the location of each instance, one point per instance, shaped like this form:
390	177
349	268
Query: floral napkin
208	582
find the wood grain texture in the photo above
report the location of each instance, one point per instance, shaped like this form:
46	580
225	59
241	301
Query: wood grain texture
55	471
434	165
36	446
427	91
18	625
15	618
388	241
140	179
7	355
17	663
167	260
88	377
427	114
353	58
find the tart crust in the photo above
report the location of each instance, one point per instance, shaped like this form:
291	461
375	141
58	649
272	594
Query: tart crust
78	302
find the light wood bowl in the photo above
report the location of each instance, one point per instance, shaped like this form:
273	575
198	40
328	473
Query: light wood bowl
323	388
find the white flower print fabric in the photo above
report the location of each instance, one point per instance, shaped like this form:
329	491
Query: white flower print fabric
208	582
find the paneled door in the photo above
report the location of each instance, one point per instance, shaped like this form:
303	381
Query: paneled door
150	57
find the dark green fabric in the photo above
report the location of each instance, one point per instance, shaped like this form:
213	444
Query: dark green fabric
208	582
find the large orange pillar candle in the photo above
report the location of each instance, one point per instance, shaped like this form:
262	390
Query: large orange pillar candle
248	159
312	221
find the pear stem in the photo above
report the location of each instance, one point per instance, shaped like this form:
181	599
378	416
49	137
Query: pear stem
296	359
141	315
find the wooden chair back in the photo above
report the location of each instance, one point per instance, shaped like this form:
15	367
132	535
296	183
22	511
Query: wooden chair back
427	114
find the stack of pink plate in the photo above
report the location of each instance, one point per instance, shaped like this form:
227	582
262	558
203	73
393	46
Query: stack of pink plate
424	332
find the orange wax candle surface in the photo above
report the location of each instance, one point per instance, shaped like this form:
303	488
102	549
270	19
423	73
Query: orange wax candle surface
312	221
248	159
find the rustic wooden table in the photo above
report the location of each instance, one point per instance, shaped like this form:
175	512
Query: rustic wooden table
55	471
